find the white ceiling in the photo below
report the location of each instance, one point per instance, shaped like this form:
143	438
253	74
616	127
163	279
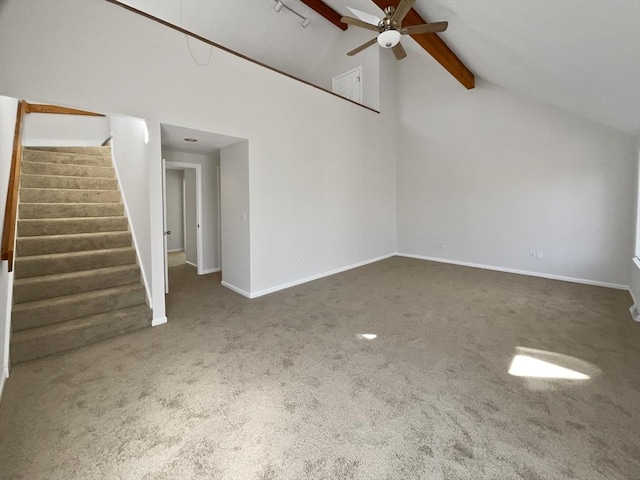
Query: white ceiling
173	139
581	55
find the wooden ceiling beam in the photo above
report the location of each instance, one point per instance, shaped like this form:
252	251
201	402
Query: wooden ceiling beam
326	11
434	46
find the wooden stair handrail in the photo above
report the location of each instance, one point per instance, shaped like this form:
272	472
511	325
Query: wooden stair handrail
11	208
37	108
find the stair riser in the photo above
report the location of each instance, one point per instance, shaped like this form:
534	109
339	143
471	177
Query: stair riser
39	168
45	265
65	226
57	181
33	347
43	195
56	312
48	245
69	210
39	288
89	150
66	158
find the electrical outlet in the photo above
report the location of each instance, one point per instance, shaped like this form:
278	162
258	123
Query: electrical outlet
441	244
300	259
532	254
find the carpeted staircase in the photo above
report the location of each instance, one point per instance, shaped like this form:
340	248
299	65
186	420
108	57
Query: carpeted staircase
76	277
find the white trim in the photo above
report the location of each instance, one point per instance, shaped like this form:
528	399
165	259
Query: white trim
158	321
235	289
211	270
184	213
219	221
633	297
519	272
192	265
3	378
133	235
636	260
266	291
165	241
176	250
199	242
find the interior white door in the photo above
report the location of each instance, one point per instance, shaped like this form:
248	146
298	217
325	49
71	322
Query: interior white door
164	226
349	84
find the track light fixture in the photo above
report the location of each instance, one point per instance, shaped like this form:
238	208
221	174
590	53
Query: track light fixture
280	5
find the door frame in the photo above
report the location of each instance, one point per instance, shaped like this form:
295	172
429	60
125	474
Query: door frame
199	243
357	70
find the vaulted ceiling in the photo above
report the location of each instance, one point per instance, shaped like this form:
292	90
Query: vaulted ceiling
581	55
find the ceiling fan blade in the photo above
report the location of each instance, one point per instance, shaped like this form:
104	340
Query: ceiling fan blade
364	16
425	28
362	47
399	52
402	10
358	23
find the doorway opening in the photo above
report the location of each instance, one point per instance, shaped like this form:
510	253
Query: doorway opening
183	214
193	204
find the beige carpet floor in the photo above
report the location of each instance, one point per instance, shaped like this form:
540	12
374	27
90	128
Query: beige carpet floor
285	386
175	259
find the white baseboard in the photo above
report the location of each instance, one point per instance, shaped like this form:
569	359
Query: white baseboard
3	377
235	289
176	250
516	271
267	291
158	321
211	270
191	264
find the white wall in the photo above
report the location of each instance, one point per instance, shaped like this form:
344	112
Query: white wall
236	216
129	151
43	129
209	164
494	175
634	285
191	209
322	170
337	62
175	209
8	109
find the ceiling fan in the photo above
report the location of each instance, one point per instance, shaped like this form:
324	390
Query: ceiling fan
390	27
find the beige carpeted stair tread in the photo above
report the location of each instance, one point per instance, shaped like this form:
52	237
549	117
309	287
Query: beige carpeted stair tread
43	168
60	309
77	280
88	150
69	210
38	342
61	284
75	242
60	181
65	157
69	195
64	226
39	265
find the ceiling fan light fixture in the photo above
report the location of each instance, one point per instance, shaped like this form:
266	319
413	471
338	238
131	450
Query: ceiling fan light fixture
389	38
